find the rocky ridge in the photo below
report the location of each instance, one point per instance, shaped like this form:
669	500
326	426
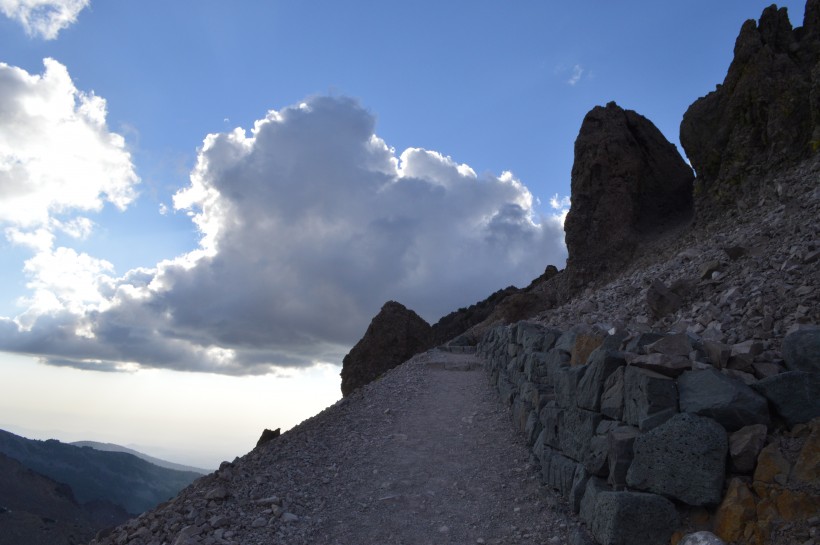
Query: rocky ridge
765	114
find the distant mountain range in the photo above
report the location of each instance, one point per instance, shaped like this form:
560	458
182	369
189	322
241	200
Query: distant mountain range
122	478
111	447
36	510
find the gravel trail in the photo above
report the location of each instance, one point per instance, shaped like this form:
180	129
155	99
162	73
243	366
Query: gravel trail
424	455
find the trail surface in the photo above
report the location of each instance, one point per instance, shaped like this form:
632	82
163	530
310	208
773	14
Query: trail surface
424	455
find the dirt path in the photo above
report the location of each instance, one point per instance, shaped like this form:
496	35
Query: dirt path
444	468
424	455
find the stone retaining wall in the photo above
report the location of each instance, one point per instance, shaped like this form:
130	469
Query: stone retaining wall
640	431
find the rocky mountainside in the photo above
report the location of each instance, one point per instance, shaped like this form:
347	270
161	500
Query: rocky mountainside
36	510
93	475
765	114
111	447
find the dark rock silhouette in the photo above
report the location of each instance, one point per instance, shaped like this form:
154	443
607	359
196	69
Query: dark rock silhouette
394	335
628	181
765	115
268	435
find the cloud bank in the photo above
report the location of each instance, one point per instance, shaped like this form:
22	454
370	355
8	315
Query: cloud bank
308	222
43	18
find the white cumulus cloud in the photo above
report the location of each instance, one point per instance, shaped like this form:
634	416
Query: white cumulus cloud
43	18
57	155
309	222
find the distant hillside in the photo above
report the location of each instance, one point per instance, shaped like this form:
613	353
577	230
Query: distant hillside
118	477
36	510
111	447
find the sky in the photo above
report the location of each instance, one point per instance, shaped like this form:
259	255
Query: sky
203	203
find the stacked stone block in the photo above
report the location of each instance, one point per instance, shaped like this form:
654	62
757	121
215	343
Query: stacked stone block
634	427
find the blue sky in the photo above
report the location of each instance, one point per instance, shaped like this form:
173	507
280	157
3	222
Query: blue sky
386	151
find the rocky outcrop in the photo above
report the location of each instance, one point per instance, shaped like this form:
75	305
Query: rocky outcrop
454	324
765	114
628	182
394	335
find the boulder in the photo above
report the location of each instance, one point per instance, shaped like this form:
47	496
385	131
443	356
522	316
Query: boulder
649	398
576	431
684	459
550	417
669	366
627	181
765	114
633	518
661	300
394	335
677	344
612	397
730	402
794	395
801	350
806	469
268	435
601	364
566	385
736	511
620	453
594	488
745	445
558	471
579	485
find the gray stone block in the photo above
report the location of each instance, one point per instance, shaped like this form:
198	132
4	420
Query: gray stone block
684	458
595	461
550	417
556	361
579	485
633	518
506	389
600	365
677	344
576	430
794	395
637	344
801	350
727	400
520	411
619	454
567	340
612	397
535	367
595	486
532	428
745	445
578	536
558	471
566	385
539	447
649	398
